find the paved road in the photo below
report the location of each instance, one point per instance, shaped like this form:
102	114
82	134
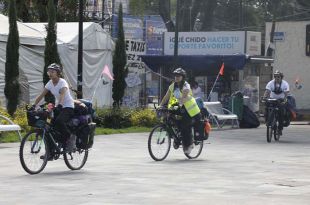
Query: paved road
236	167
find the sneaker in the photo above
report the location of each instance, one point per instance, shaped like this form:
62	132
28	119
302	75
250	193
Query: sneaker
189	149
49	158
70	145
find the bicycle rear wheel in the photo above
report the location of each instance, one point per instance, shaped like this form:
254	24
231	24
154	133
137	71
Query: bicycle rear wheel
196	151
77	159
33	152
159	143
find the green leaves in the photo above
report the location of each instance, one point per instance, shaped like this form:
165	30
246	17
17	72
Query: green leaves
12	87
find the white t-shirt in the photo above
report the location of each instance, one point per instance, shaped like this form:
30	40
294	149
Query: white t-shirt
55	90
197	93
284	88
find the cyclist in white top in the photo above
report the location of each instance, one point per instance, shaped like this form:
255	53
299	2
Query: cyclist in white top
278	89
65	103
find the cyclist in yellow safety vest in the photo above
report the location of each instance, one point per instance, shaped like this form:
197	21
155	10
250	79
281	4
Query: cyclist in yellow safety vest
180	92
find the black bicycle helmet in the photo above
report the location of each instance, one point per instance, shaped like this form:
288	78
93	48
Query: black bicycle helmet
179	71
278	73
55	66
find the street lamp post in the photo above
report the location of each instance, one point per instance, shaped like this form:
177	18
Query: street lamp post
102	13
80	53
176	35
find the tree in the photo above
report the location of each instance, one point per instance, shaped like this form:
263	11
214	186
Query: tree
23	10
12	87
119	63
50	53
68	10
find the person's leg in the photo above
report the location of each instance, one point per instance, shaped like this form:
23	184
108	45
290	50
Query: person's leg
61	122
281	115
186	129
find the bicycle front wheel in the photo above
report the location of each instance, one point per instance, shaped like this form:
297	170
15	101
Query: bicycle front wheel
33	152
276	134
77	159
159	143
270	126
269	133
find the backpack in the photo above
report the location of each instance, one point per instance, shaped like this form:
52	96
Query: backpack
249	119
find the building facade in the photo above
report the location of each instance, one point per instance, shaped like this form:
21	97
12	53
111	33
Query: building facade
292	57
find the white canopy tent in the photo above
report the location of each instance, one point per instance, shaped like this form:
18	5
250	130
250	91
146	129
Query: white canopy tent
97	52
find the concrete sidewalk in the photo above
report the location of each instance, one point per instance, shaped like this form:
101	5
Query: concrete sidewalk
236	167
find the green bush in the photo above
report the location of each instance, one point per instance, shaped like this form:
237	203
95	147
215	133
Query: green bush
19	117
143	117
125	117
115	118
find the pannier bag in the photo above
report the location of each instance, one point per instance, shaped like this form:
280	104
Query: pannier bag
200	133
79	110
85	136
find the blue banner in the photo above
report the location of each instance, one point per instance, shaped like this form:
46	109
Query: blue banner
154	34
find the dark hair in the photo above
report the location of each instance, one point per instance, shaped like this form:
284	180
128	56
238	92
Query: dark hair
179	85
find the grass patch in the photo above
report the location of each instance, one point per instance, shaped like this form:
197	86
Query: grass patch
7	137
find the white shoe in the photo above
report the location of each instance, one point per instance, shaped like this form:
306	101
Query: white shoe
189	149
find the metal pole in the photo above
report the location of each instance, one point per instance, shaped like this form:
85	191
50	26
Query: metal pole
240	15
102	7
176	35
80	53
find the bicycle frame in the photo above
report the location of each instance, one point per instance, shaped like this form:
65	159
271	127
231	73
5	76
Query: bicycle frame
47	133
272	112
169	121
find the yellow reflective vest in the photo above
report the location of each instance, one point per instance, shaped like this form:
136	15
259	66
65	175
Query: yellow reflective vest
190	105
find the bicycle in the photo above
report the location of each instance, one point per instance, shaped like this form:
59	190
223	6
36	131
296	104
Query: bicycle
44	143
273	107
159	141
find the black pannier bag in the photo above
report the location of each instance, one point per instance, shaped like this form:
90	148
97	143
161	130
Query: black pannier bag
85	136
199	131
80	110
249	119
36	118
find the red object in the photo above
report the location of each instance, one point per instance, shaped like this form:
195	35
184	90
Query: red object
107	72
207	127
50	107
293	114
222	69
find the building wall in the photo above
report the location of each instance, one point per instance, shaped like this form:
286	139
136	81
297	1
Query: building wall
290	58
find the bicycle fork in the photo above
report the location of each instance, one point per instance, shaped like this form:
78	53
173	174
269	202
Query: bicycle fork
36	141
